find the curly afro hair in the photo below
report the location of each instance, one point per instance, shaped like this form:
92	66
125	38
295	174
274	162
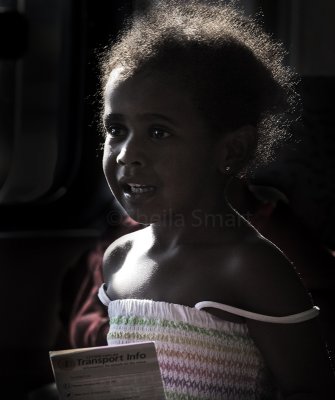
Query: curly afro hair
234	70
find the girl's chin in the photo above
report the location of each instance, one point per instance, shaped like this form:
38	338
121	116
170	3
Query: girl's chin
164	218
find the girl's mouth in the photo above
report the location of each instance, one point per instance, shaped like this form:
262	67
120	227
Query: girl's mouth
135	189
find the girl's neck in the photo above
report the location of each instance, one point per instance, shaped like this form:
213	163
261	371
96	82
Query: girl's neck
198	226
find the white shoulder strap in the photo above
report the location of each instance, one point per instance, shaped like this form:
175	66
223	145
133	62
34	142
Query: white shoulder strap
105	300
289	319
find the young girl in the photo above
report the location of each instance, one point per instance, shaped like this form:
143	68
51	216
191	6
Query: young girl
192	94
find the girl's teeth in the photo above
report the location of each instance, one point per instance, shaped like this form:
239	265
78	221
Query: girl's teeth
141	188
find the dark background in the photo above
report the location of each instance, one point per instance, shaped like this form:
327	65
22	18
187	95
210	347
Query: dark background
54	202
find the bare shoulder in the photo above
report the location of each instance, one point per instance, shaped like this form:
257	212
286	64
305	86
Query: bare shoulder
116	253
267	281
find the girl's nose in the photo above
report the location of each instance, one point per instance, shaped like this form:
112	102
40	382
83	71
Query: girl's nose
131	153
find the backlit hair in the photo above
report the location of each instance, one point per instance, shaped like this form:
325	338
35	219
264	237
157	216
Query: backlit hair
232	68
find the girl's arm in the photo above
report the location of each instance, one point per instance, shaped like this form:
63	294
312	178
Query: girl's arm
295	353
297	357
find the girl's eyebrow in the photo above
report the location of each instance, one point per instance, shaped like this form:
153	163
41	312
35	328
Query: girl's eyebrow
107	118
159	116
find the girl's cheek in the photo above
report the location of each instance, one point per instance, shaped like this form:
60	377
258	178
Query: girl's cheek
107	162
109	153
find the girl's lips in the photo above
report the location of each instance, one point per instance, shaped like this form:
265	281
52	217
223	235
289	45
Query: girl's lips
137	190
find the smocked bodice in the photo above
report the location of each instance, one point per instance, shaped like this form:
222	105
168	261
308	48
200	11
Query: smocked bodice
200	356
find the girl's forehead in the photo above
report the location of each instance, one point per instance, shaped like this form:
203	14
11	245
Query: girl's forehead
148	77
145	86
115	77
151	94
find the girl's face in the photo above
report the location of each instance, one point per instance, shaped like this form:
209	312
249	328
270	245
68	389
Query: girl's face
159	158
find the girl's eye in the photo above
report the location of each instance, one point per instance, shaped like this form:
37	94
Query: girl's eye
115	131
158	133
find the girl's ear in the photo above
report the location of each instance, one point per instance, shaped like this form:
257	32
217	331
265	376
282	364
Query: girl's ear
236	148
